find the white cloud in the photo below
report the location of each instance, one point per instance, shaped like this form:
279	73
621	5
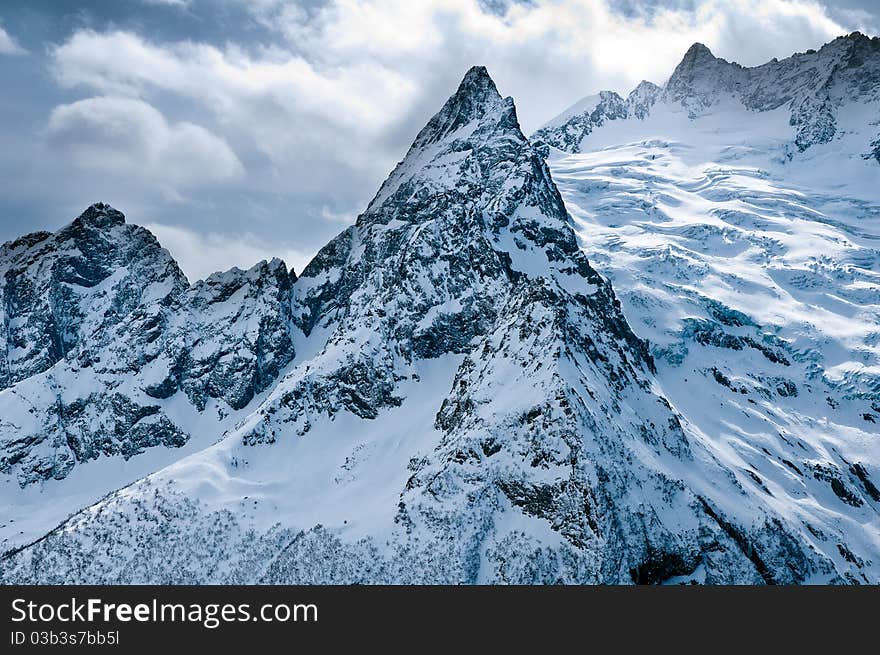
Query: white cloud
362	67
8	45
322	115
545	51
275	95
859	19
128	137
173	3
200	254
345	218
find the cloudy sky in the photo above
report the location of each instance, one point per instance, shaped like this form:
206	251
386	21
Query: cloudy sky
244	129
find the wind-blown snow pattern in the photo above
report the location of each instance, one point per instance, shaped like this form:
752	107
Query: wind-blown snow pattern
450	393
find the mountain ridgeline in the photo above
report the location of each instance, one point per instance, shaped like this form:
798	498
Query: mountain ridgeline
817	91
448	393
100	325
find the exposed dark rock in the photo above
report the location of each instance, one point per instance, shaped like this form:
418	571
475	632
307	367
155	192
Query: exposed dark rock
102	299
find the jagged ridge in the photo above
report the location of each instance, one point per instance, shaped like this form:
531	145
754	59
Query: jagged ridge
813	86
101	329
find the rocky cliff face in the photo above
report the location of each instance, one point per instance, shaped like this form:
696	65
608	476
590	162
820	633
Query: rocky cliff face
69	291
467	403
467	250
468	215
235	338
101	330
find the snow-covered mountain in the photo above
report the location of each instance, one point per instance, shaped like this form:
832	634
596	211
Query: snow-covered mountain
829	96
109	353
450	392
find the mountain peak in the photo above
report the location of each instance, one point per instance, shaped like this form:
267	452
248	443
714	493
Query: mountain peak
476	97
477	76
858	36
478	87
100	215
699	77
698	51
644	85
475	113
697	58
644	90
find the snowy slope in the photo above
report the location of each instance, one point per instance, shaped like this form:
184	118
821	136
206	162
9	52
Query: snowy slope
760	300
753	269
465	400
